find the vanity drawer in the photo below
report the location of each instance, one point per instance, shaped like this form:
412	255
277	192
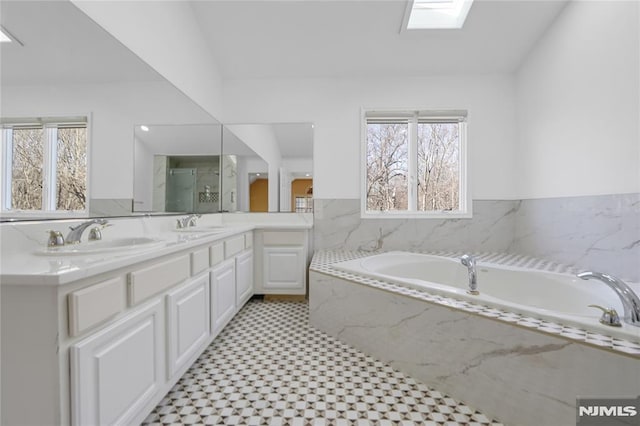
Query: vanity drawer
248	240
216	254
233	246
283	238
199	261
95	304
146	282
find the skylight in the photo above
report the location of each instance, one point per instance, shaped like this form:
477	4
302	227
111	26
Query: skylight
7	37
4	38
437	14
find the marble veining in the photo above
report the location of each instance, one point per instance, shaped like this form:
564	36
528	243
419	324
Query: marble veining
600	233
523	375
597	232
323	260
338	225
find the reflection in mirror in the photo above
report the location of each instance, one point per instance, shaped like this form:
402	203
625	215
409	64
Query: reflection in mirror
177	168
242	168
88	74
279	161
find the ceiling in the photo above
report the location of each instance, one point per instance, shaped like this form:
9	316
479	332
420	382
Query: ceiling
278	39
349	38
63	46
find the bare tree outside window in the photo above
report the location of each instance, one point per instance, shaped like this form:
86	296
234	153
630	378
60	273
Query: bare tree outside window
387	166
71	168
26	176
48	166
438	166
416	164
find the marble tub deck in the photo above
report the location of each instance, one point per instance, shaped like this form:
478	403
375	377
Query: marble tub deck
519	369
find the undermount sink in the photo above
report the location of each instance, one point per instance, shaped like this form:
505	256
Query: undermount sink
104	246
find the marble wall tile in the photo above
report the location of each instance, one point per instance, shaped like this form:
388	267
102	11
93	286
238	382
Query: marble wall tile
110	207
518	375
599	233
337	224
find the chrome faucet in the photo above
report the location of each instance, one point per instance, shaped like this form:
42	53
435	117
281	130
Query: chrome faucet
630	300
187	221
76	231
470	262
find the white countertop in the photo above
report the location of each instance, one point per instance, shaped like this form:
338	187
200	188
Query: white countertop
22	261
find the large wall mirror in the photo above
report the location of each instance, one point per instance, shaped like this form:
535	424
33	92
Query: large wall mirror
178	168
63	65
273	167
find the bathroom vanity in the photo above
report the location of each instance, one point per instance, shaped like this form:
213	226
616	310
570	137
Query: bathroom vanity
100	339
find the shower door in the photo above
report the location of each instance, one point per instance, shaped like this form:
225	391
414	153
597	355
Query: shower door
181	190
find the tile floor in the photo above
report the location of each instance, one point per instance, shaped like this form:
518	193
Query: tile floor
269	367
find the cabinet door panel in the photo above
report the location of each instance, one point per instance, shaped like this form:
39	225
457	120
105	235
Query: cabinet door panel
116	371
223	294
188	321
244	276
283	267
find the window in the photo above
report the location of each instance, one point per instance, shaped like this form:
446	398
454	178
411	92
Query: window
415	164
44	164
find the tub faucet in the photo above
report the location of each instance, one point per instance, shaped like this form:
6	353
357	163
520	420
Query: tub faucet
470	262
76	231
630	300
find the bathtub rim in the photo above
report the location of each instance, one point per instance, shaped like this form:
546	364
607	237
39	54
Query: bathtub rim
592	338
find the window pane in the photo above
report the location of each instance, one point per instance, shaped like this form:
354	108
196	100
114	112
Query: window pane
438	166
387	166
26	169
71	168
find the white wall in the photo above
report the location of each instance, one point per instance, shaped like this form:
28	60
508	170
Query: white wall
334	107
151	29
262	140
114	109
143	177
578	104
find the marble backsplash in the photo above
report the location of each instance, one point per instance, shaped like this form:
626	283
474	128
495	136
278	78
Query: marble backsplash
595	232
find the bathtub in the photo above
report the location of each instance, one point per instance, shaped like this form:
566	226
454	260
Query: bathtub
554	297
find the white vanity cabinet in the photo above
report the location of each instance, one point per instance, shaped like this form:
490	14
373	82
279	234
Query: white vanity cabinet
244	277
223	294
281	261
105	349
116	371
188	312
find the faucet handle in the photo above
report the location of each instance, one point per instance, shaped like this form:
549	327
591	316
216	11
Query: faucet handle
55	239
609	316
95	234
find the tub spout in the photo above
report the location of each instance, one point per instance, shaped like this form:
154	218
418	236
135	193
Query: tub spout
470	262
630	300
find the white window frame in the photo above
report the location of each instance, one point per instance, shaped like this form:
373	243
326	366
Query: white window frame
414	115
50	126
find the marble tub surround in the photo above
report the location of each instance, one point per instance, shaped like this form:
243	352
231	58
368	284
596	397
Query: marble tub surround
595	232
338	225
323	260
522	374
21	242
600	233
